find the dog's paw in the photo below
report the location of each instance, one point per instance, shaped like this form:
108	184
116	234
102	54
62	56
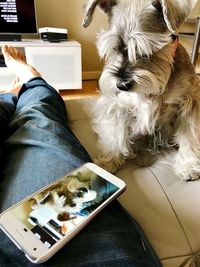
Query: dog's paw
60	200
109	166
192	176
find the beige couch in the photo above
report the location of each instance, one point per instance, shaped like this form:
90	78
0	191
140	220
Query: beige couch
167	208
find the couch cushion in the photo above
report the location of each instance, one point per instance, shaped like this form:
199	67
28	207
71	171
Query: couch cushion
80	123
166	207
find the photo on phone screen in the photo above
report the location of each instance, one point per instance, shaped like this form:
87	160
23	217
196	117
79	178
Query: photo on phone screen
55	211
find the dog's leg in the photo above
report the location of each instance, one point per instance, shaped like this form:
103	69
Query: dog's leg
187	165
112	124
110	161
113	145
187	159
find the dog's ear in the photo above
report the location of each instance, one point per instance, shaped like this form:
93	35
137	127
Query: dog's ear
174	11
89	8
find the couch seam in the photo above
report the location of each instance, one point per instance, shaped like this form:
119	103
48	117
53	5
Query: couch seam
176	215
176	257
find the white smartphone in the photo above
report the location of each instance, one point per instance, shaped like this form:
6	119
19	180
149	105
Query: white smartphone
45	221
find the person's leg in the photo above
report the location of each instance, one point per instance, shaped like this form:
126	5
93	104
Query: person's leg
7	108
40	148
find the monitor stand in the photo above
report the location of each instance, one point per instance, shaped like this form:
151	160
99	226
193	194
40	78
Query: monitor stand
10	37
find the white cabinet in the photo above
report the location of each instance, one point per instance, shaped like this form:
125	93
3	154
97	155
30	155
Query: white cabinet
59	63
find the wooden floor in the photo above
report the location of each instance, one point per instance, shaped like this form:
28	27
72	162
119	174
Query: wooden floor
90	89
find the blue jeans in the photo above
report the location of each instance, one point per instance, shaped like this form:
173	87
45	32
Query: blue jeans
37	147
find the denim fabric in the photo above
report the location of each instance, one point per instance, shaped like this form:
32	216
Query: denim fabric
7	108
39	148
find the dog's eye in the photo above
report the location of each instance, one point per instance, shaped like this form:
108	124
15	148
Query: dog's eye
79	194
157	5
73	205
83	189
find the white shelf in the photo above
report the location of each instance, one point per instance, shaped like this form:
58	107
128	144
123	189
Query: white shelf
40	43
59	63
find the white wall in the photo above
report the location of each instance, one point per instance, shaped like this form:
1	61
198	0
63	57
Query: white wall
69	14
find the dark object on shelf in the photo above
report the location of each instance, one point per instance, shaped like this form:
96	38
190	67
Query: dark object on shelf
2	62
10	37
53	34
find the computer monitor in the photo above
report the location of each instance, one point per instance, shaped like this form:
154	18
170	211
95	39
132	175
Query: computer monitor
17	17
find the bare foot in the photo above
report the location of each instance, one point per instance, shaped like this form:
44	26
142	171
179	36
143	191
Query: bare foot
16	61
15	86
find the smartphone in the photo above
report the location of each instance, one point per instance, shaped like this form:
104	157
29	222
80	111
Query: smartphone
44	222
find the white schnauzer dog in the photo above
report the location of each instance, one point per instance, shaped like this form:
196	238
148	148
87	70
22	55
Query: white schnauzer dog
150	93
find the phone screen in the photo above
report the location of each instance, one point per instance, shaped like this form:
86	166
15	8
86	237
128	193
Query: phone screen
54	212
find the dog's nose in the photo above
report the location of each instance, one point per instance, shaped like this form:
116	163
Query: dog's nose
124	86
